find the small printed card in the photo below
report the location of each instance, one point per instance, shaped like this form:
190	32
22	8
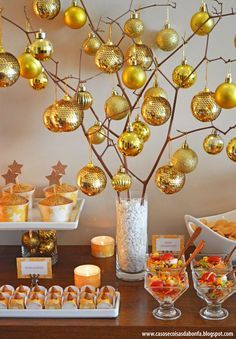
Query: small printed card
167	243
29	266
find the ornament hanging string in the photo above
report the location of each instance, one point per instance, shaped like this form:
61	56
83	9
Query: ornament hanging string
167	15
206	74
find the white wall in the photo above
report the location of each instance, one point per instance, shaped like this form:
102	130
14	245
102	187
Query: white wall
209	190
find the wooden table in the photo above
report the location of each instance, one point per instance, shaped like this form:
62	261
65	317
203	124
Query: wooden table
136	304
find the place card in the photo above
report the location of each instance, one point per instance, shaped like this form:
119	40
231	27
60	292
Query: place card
167	243
26	267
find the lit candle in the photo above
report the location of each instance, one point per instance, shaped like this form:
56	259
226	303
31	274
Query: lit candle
87	275
102	247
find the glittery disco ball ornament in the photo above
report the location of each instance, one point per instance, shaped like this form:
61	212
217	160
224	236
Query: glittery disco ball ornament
185	160
109	58
91	44
91	180
129	144
41	48
155	91
9	69
167	39
46	9
39	82
75	16
141	53
133	76
31	241
141	129
213	143
84	98
47	248
121	181
30	67
156	110
231	149
46	235
225	94
134	26
96	133
200	23
204	107
181	75
116	107
169	180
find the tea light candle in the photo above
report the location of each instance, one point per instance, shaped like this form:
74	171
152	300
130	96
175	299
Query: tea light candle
102	247
87	275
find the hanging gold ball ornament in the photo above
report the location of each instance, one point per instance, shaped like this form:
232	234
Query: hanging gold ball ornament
169	180
183	75
156	111
46	248
185	160
204	107
133	76
30	67
91	180
31	241
109	58
46	235
213	143
84	98
231	149
47	9
129	144
167	39
47	119
141	53
91	44
141	129
116	107
121	181
225	94
41	48
75	16
200	23
96	133
155	91
134	26
9	69
39	82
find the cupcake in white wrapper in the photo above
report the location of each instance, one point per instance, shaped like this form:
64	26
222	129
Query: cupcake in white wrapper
56	208
65	190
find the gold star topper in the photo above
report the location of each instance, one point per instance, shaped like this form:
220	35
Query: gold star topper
54	178
59	168
10	177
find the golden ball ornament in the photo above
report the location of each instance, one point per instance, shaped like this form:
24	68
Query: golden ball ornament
46	235
129	144
185	159
46	9
30	67
96	133
121	181
91	180
31	241
141	53
197	22
134	26
109	58
41	48
169	180
39	82
75	16
231	149
84	98
167	39
141	129
155	91
116	106
9	69
203	106
183	75
213	143
91	44
225	94
134	77
156	110
47	248
47	119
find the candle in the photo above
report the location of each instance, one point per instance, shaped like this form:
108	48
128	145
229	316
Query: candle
87	275
102	247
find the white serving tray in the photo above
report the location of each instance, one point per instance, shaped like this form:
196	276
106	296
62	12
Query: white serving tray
34	222
97	313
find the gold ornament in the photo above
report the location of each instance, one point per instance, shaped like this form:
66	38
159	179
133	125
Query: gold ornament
169	180
133	76
141	129
30	67
134	27
141	53
91	44
129	143
84	98
204	107
121	181
9	69
213	143
197	21
39	82
167	39
109	58
31	241
116	106
181	75
47	119
155	91
231	149
46	9
46	235
185	160
156	110
225	94
91	180
47	248
41	48
75	16
96	134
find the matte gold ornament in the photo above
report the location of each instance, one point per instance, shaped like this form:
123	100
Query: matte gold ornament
231	149
75	16
134	26
129	144
96	133
9	69
39	82
167	39
201	23
213	143
84	98
225	94
47	248
141	53
204	107
109	58
181	75
169	180
133	76
46	235
91	180
30	67
185	160
91	44
47	9
31	241
116	106
155	91
121	181
156	110
141	129
41	48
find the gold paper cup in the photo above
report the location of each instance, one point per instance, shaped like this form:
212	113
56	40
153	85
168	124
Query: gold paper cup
25	191
58	212
73	195
13	208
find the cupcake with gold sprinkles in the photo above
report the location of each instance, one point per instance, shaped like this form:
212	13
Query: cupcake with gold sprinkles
13	208
56	208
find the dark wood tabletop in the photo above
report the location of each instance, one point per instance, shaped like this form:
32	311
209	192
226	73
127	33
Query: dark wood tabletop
135	311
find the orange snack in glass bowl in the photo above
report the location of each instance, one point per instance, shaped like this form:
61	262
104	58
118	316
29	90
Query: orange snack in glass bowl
65	190
13	208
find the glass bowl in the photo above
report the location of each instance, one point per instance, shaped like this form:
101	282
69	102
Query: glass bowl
211	262
163	261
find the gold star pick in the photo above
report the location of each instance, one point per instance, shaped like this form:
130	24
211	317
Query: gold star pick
54	178
10	177
15	167
59	168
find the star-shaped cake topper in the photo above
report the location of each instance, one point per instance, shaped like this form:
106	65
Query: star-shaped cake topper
15	167
54	178
59	168
10	177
